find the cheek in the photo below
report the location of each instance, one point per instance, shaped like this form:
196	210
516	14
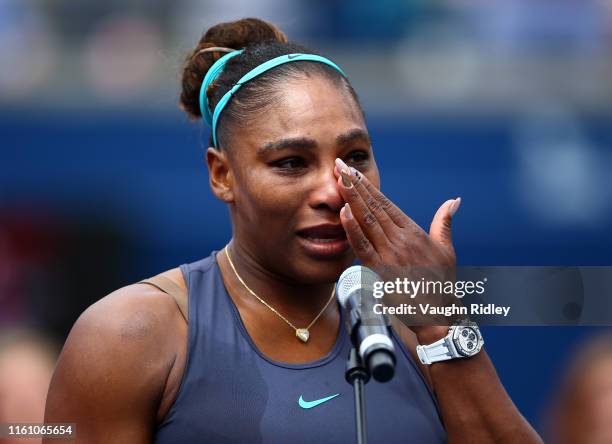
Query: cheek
264	196
373	176
374	180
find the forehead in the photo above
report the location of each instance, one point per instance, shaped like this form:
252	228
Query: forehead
315	107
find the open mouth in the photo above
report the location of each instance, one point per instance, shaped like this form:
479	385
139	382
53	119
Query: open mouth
326	233
324	240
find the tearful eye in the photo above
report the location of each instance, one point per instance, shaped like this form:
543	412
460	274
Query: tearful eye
289	163
357	157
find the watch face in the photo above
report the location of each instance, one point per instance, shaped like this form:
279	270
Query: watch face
467	340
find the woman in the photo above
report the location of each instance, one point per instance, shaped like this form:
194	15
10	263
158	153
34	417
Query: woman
264	342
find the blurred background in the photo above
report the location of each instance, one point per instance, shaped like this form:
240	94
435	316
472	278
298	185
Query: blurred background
102	179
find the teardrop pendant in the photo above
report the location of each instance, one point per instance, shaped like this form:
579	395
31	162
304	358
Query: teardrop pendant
302	334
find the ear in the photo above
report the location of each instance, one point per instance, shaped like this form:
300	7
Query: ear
220	178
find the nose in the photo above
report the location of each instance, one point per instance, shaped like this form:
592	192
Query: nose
325	194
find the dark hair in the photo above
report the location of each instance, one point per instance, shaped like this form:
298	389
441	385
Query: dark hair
261	41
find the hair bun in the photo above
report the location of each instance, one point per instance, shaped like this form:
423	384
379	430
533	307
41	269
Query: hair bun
236	35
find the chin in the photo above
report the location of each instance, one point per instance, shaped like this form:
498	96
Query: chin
328	269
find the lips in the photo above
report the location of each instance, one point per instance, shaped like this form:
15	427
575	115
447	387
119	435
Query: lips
324	233
324	241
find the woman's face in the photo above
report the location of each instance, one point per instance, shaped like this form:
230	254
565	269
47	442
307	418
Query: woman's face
286	202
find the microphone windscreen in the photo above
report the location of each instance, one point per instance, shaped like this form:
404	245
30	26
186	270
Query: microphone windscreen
355	278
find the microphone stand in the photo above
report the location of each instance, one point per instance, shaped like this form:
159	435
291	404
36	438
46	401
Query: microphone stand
357	375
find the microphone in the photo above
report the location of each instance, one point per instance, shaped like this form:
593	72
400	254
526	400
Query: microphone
369	331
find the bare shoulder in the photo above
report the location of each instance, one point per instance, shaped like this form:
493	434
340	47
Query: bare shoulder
135	315
116	363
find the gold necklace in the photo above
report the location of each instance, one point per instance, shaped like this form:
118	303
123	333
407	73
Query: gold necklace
301	333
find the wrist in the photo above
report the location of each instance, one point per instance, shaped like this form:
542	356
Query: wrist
429	334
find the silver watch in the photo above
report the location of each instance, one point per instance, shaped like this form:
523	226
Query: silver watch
462	341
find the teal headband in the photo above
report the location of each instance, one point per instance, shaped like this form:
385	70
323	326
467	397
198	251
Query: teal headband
213	117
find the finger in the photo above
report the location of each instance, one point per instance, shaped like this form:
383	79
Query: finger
396	215
373	205
440	229
376	205
400	219
369	191
361	245
362	215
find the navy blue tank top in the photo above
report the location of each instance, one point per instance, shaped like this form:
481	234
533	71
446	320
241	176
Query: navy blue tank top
232	393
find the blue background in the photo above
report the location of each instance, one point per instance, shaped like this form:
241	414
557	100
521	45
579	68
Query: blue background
147	178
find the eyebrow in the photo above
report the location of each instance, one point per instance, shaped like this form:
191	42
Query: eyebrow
307	143
281	144
351	136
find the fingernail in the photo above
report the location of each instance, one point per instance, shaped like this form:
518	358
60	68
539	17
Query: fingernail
354	173
346	180
347	211
454	207
341	165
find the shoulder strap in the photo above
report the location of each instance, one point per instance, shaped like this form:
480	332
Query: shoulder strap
168	286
